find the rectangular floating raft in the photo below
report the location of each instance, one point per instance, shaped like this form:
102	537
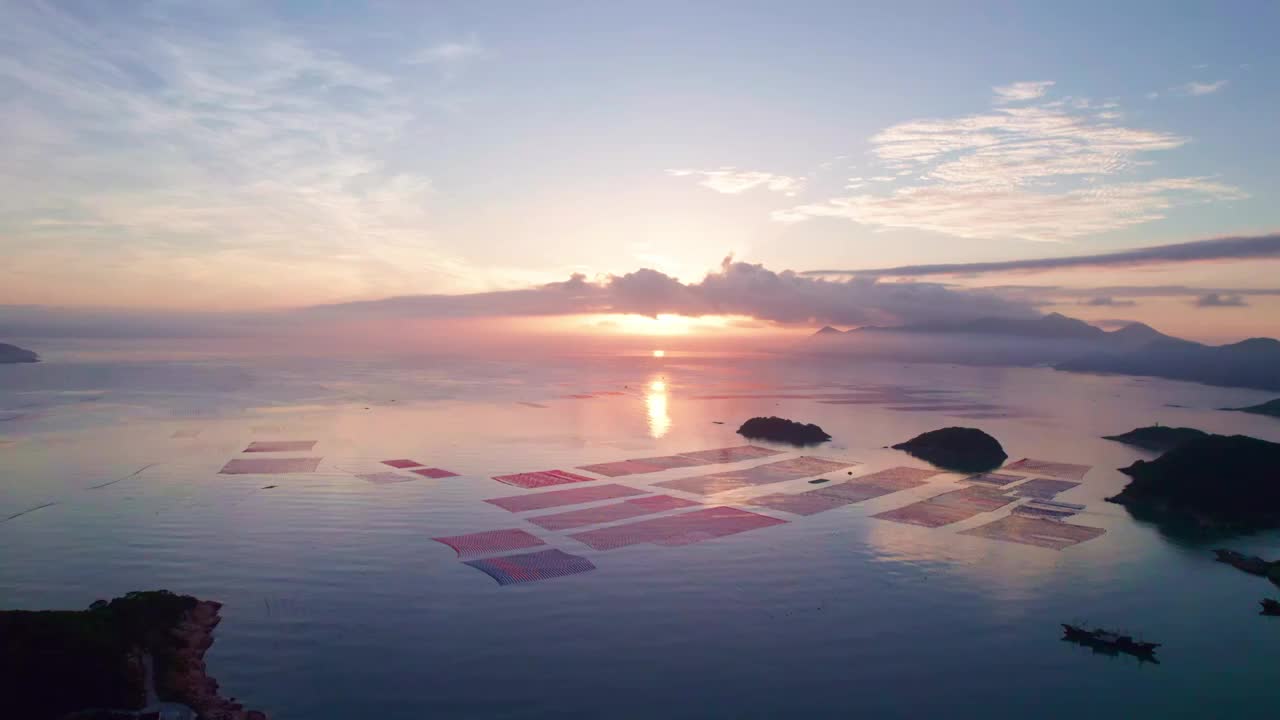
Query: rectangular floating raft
542	478
490	542
269	466
849	492
1044	511
557	498
949	507
994	478
807	503
640	466
258	446
402	463
737	453
1066	471
1043	488
1036	531
901	473
765	474
385	478
683	529
624	510
532	567
434	473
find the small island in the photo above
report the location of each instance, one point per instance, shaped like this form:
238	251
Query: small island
782	430
1157	437
10	354
1270	408
102	661
956	448
1216	483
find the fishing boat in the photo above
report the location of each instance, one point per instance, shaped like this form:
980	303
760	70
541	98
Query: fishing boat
1108	641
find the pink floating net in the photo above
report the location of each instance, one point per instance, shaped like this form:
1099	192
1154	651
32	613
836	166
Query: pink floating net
682	529
489	542
556	498
542	478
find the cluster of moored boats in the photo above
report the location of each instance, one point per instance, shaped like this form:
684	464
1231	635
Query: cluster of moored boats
1114	643
1110	642
1254	566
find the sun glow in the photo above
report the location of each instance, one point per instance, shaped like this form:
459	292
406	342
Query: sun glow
665	325
659	353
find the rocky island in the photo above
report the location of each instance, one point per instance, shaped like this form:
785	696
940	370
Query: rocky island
956	448
1157	437
102	662
14	354
1215	483
782	430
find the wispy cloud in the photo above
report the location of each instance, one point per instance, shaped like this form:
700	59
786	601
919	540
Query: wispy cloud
1216	300
1050	171
449	58
1203	88
733	181
224	156
1022	91
1229	248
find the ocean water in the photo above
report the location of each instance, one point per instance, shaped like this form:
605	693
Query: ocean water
338	604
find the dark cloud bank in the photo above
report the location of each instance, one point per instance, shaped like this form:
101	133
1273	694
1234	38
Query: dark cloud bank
1227	248
738	288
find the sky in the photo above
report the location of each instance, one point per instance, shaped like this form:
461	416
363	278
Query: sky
248	157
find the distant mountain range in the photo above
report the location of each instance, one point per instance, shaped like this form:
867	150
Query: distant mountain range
1066	343
14	354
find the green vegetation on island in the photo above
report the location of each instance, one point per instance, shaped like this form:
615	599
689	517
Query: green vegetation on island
1158	437
1215	483
782	430
956	448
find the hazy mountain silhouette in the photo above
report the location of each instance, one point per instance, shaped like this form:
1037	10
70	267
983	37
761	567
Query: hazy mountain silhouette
1066	344
1250	363
14	354
1270	408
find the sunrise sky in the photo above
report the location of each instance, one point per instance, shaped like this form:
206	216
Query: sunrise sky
593	162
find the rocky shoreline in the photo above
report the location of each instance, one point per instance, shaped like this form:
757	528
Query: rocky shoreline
113	660
1215	484
185	678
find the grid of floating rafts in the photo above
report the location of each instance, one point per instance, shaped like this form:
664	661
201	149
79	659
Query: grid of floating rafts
1038	521
273	465
679	529
639	516
412	467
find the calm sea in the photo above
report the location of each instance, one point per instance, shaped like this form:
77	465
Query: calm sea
338	604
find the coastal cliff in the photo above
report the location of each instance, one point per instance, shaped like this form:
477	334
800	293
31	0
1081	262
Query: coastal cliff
94	663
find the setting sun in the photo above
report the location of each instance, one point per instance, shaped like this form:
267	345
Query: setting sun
659	353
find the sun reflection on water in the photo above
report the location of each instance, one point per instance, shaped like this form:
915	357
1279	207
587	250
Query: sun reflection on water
655	401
